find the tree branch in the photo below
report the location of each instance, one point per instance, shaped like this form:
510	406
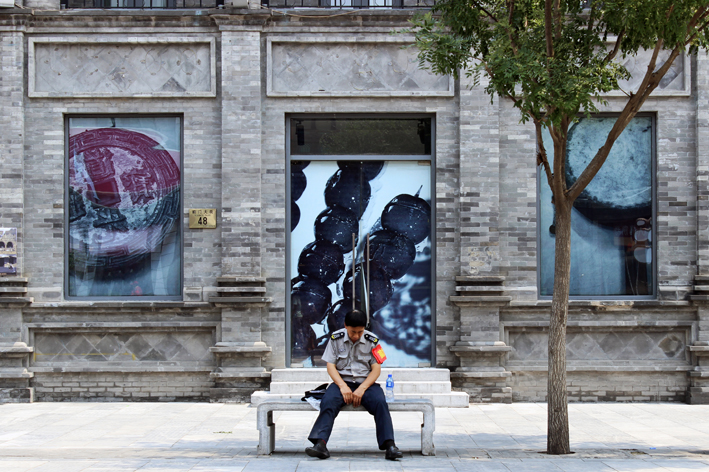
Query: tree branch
514	99
542	157
696	20
650	82
614	52
590	17
548	23
557	11
558	183
510	30
484	10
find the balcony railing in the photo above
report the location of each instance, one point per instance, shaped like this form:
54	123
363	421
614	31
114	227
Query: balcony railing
349	4
205	4
143	4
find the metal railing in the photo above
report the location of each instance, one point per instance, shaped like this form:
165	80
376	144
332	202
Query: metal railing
206	4
349	4
143	4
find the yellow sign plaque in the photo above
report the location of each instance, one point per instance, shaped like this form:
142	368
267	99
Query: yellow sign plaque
203	218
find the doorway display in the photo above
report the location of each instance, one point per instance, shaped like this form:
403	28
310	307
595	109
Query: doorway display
342	204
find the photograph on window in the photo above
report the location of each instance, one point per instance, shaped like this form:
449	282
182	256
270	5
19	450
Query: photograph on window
124	207
611	222
388	203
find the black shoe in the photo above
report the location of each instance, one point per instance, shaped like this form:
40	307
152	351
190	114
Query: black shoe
320	451
393	453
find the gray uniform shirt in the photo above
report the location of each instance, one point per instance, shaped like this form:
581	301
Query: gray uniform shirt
352	360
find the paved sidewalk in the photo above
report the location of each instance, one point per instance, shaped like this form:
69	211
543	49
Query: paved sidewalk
107	437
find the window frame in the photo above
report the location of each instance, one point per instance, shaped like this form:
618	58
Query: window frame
181	229
431	158
541	180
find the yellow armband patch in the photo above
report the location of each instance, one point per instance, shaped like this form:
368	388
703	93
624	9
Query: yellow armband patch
378	353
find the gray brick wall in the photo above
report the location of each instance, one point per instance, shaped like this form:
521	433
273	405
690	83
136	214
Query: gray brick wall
604	386
241	153
702	176
117	387
234	160
479	217
518	203
12	122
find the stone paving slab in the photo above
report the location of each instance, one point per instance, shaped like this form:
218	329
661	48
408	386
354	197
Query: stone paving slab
203	437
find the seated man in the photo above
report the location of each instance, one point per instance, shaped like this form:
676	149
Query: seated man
354	370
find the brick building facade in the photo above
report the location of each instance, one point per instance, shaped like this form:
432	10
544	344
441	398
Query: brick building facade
226	87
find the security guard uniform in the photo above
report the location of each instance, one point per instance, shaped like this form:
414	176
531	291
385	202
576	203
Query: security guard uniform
353	361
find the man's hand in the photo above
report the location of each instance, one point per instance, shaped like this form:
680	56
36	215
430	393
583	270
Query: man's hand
357	396
347	394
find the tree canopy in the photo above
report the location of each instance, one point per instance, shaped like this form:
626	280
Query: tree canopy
555	59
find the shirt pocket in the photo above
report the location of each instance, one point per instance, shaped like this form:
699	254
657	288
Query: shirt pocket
341	361
361	367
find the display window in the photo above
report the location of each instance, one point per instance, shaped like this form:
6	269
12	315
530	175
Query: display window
361	234
612	222
124	234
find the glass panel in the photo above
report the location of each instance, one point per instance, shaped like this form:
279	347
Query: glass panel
124	207
390	202
359	136
611	223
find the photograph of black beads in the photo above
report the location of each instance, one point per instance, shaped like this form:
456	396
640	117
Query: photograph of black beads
390	283
322	262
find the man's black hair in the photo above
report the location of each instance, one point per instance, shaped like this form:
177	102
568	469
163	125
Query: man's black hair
355	319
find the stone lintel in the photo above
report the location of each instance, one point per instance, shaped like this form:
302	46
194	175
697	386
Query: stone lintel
11	289
480	288
228	301
240	279
15	373
604	368
224	349
13	279
120	304
480	278
699	351
699	374
18	350
464	350
480	301
604	305
16	300
225	373
138	369
479	375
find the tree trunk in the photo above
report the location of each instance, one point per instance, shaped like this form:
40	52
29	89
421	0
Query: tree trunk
557	408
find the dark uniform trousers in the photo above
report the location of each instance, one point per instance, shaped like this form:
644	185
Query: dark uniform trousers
373	401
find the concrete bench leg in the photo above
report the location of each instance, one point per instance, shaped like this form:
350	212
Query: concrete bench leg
427	428
266	432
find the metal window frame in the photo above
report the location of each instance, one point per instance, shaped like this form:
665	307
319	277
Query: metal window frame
358	157
541	177
181	229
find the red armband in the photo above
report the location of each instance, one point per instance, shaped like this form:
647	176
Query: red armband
378	353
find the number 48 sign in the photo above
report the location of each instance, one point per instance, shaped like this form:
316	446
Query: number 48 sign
203	218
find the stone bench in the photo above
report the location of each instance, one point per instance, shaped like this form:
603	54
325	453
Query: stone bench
267	428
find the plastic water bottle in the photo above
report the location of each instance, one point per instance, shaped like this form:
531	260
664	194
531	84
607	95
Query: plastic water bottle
390	389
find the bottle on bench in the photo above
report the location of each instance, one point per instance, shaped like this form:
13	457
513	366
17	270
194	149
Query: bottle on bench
390	389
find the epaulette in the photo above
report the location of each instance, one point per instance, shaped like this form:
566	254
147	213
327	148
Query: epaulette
337	335
371	338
